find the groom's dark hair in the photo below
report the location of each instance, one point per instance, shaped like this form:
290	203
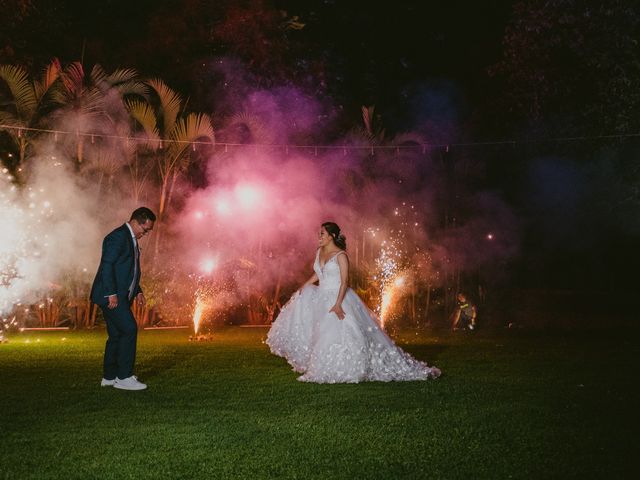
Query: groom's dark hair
142	214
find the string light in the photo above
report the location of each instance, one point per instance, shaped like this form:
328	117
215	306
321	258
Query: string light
372	148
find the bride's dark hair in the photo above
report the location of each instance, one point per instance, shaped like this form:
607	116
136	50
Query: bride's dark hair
338	238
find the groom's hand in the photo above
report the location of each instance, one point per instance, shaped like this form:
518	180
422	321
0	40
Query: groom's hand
113	301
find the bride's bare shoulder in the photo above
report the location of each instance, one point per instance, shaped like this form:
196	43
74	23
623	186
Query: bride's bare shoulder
342	254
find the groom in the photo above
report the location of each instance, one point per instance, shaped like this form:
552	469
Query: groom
116	285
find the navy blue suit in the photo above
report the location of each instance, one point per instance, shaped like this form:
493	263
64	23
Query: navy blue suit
118	265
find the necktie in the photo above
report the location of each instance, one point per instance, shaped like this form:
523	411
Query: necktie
136	269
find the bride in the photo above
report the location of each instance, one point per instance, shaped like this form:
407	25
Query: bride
329	335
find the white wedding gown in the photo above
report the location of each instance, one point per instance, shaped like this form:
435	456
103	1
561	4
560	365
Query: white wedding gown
326	349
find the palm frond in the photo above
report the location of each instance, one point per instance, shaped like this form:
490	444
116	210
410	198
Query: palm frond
170	104
98	76
91	103
122	75
73	80
195	127
21	89
49	77
256	127
145	116
8	118
126	81
106	160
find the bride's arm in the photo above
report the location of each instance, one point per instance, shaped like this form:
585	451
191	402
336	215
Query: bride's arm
343	262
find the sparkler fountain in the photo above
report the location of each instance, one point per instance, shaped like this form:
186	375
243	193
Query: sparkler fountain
204	296
393	275
197	313
389	277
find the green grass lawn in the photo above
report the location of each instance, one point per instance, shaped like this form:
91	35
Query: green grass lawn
510	404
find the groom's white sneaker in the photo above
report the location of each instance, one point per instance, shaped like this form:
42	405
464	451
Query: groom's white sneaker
107	383
130	383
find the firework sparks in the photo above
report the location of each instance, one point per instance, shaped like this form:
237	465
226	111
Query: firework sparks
394	269
390	293
198	311
210	298
388	265
5	325
20	245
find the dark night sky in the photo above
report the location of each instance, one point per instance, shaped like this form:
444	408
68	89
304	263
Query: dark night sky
377	52
393	49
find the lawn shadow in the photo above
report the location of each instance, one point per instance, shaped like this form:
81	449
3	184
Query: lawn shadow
426	353
155	365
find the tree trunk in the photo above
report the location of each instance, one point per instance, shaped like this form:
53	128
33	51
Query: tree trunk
161	209
80	151
413	303
427	302
174	177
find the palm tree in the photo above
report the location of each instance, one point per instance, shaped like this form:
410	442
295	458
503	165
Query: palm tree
246	127
170	133
29	102
85	100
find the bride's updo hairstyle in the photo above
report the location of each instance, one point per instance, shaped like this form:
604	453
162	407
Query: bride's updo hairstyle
338	238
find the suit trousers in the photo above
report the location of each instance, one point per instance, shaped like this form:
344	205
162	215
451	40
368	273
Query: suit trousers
120	350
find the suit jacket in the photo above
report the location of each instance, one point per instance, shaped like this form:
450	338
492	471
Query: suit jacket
117	267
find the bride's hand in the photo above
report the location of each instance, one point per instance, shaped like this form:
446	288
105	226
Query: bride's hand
338	311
